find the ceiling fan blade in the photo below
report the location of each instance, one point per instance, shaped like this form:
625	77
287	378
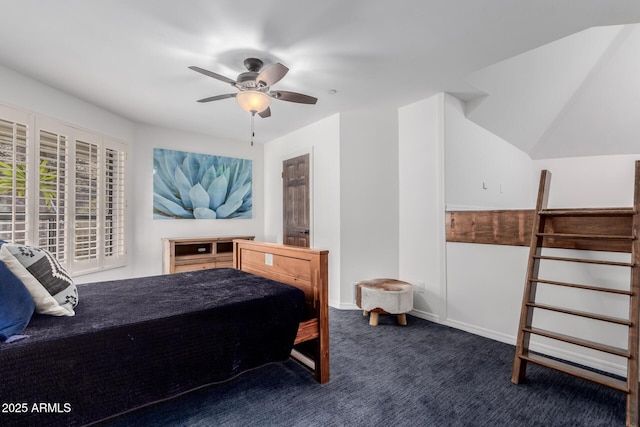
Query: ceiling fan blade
212	74
285	95
271	75
217	97
266	113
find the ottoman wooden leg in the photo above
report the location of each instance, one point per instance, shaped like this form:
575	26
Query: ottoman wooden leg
373	320
365	313
402	319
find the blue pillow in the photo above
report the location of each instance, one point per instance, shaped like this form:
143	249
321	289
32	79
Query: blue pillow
16	304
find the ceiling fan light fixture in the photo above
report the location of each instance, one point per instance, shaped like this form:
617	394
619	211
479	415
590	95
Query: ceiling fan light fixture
253	101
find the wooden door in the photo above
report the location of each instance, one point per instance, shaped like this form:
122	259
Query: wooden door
295	191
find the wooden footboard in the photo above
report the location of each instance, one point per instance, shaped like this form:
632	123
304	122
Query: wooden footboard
303	268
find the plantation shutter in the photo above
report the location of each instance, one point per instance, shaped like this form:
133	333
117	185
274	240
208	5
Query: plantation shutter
52	190
14	159
62	189
87	202
114	204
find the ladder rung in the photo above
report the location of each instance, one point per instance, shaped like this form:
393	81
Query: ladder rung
577	341
576	371
589	212
581	313
595	229
588	261
585	287
585	236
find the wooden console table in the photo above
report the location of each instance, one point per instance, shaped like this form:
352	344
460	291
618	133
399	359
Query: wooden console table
197	253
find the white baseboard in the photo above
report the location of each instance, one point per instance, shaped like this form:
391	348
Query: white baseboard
344	306
425	315
602	365
483	332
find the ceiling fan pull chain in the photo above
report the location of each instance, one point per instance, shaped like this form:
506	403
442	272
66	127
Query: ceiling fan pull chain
253	134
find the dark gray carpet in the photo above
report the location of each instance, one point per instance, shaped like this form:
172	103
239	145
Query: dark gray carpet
423	374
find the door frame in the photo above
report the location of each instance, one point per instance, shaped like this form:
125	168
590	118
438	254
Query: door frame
291	155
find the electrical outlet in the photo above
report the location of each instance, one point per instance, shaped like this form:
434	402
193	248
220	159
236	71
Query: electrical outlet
419	286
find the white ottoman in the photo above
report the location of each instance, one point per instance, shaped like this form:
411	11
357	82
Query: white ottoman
386	296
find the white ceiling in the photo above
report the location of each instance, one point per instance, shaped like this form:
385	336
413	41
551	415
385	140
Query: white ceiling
578	96
131	56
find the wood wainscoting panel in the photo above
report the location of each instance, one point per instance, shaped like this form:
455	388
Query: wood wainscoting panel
499	227
514	227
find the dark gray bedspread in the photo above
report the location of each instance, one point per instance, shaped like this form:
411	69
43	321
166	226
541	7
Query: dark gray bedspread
136	341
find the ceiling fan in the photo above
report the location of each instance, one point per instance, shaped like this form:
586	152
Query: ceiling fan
254	86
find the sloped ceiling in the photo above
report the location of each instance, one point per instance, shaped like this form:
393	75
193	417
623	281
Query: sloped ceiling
131	56
577	96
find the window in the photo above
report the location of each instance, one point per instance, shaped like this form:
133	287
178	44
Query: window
68	197
114	207
87	200
13	181
52	206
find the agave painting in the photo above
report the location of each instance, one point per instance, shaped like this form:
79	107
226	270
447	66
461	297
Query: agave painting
200	186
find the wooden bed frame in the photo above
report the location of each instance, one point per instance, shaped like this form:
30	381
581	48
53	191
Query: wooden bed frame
306	269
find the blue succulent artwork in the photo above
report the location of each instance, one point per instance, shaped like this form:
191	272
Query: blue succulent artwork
200	186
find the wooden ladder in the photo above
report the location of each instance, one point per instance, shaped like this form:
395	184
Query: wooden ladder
600	229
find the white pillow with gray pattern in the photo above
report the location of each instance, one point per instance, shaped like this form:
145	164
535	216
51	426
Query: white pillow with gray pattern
51	287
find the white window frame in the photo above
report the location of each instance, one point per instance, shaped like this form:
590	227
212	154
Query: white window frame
101	260
117	257
44	124
23	118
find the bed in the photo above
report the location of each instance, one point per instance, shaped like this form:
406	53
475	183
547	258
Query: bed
140	341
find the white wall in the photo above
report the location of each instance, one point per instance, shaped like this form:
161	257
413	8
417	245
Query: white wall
354	190
475	156
35	96
485	282
25	93
598	181
143	232
421	204
322	141
368	197
147	232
